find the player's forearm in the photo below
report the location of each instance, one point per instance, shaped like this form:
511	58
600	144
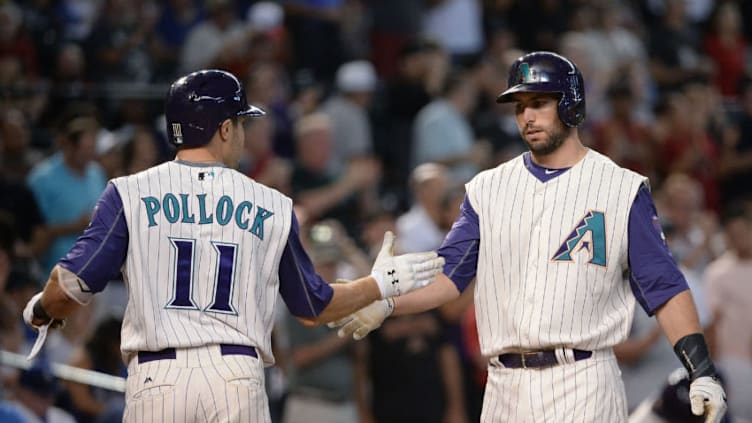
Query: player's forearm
437	293
678	317
55	301
348	298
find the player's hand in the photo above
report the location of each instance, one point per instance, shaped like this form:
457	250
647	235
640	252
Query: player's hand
707	397
397	275
34	321
365	320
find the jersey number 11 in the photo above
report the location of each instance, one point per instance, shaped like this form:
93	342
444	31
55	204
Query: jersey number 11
184	274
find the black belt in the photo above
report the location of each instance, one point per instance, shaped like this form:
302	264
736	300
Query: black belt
169	353
533	359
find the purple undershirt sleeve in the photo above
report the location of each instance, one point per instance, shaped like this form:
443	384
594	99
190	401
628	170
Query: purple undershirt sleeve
460	247
654	275
98	254
302	289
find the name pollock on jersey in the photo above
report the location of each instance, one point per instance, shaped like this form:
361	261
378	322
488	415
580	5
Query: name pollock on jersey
223	212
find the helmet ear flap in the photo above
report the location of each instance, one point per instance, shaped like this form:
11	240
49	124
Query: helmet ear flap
572	104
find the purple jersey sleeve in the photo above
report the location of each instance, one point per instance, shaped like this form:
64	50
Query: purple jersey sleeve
303	290
654	276
460	247
99	253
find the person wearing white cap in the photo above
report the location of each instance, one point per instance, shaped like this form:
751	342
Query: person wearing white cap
348	110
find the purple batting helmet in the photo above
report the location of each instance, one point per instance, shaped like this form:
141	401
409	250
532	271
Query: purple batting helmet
199	102
546	72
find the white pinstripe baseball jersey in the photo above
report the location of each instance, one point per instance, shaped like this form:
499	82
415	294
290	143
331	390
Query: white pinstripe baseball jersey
552	258
203	255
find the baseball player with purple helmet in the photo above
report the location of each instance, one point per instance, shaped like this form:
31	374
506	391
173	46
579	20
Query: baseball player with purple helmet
204	251
563	243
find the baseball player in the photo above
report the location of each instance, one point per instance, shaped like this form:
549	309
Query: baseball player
204	250
562	241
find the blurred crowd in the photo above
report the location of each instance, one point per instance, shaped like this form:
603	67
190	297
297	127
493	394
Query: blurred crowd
378	112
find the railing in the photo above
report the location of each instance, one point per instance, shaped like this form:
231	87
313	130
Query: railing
63	371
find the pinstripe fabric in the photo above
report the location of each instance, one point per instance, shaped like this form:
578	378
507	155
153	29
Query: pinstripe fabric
588	391
200	385
529	298
526	300
150	269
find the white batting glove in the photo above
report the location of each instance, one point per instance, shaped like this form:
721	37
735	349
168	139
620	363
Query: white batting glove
365	320
707	397
397	275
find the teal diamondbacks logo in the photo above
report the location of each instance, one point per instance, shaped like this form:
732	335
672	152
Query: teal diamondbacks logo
523	73
589	235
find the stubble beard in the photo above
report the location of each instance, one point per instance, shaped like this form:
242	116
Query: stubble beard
555	139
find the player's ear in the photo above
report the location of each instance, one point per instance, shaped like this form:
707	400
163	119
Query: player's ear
225	129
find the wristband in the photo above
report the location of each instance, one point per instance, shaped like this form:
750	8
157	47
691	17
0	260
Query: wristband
693	353
39	312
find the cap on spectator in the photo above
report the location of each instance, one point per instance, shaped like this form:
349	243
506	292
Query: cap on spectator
265	16
357	76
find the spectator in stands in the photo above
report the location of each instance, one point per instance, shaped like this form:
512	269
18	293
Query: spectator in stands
140	151
16	155
101	353
442	132
217	41
735	167
118	43
67	185
414	351
727	48
44	25
326	371
730	297
314	188
62	344
691	231
394	23
11	336
352	137
465	41
260	161
621	136
420	73
685	146
266	87
14	41
316	32
421	227
674	49
176	19
35	396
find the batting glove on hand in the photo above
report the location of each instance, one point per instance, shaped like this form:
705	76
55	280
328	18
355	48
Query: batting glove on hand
707	397
397	275
365	320
29	316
